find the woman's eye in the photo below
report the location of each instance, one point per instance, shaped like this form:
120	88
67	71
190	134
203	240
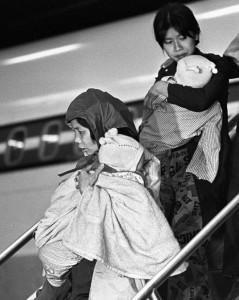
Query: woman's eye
80	131
167	42
77	132
182	38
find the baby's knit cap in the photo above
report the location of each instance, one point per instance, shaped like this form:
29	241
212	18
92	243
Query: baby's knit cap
194	71
119	151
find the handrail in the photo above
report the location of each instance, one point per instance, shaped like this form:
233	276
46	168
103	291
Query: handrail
175	262
192	246
19	243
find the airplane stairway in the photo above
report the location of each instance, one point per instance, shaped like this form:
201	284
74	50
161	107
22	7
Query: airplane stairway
29	270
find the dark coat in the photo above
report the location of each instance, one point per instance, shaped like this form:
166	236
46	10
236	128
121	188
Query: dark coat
213	196
231	252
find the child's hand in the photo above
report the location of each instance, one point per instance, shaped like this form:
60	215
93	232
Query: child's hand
87	177
159	87
82	179
157	93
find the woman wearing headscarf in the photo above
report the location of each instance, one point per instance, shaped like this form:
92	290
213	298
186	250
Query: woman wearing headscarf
90	116
97	111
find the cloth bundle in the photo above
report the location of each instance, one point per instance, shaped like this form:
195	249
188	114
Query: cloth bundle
167	126
115	220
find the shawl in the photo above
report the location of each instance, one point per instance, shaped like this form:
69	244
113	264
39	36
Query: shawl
116	221
56	218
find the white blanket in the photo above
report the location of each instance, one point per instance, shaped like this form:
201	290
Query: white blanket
116	222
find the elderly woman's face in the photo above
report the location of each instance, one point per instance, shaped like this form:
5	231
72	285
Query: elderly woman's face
83	138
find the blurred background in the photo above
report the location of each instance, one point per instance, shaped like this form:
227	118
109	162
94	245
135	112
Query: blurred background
50	51
27	20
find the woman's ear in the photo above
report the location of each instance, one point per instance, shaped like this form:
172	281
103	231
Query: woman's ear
196	38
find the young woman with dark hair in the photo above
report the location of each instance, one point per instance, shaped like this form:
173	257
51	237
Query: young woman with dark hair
189	201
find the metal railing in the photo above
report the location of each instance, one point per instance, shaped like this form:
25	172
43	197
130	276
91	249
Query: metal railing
192	246
18	244
147	291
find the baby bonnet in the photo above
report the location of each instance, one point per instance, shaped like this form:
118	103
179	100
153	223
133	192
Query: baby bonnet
119	151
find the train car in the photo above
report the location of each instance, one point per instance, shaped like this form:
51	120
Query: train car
40	79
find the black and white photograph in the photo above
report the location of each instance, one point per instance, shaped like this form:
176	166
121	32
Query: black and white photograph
119	150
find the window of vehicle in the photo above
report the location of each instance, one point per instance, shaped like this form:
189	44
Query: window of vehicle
49	143
15	146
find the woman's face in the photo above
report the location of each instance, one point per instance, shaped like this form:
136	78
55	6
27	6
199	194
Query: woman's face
177	46
83	138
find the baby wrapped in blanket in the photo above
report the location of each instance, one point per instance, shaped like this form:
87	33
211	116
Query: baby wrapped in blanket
115	220
168	126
